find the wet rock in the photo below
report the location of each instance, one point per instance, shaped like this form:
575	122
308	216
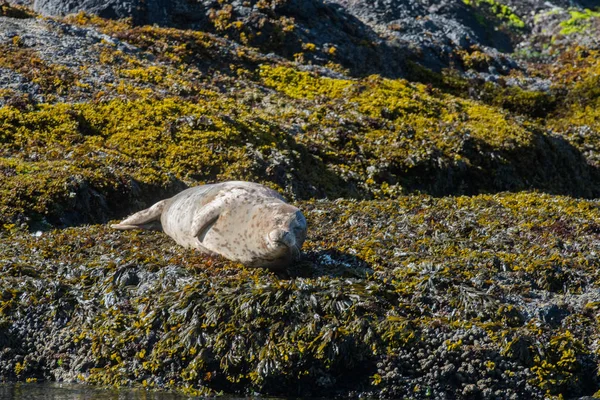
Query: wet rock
107	9
126	276
554	314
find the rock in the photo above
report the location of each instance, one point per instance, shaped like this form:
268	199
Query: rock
459	259
162	12
554	314
367	36
113	9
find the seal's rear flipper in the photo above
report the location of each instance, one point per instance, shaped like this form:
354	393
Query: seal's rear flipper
145	219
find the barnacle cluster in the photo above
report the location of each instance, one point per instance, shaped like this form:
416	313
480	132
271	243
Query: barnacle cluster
460	259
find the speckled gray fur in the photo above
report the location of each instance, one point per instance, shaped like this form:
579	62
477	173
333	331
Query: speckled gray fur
242	221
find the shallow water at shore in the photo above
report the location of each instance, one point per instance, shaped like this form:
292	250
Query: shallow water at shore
58	391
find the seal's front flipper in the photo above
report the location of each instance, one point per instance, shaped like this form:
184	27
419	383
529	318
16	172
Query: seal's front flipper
145	219
205	218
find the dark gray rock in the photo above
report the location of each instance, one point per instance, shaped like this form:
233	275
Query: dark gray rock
162	12
27	3
369	36
105	9
528	9
554	314
426	20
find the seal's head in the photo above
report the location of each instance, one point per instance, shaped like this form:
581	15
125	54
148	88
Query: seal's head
282	229
288	232
258	232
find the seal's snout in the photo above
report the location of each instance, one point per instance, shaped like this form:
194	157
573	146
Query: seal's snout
287	234
282	237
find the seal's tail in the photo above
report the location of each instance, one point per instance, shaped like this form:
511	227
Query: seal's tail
145	219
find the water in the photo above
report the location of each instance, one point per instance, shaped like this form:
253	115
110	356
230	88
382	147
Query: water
59	391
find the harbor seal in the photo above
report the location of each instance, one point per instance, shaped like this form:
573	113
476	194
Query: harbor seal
242	221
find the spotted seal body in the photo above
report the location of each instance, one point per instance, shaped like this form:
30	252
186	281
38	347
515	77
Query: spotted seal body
242	221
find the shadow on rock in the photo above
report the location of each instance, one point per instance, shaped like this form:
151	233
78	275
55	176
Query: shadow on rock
329	263
550	164
96	205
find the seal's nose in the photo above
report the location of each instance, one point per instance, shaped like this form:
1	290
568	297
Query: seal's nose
281	236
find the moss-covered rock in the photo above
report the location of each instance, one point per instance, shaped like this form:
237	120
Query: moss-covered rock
398	294
312	137
454	287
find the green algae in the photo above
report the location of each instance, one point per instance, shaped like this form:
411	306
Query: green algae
579	21
575	74
501	11
364	138
53	79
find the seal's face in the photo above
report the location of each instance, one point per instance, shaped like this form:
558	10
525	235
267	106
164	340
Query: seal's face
288	233
280	233
258	233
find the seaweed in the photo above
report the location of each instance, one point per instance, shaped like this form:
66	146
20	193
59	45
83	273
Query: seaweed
451	253
378	282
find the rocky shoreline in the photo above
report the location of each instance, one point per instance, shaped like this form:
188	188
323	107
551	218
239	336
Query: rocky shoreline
393	313
453	247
